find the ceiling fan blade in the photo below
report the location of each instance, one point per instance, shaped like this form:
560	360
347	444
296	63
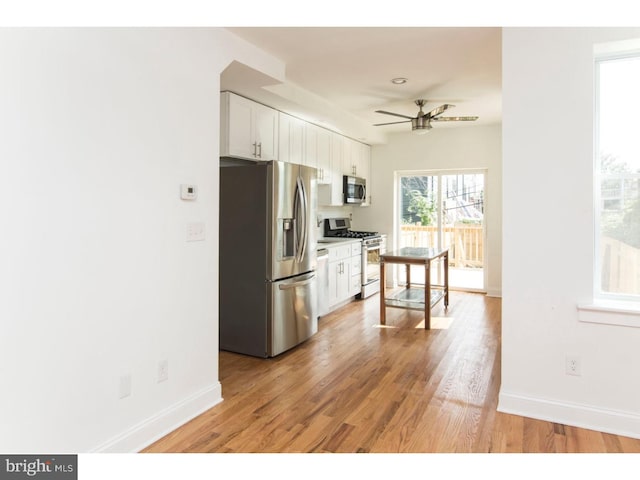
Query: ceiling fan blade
454	119
390	123
394	114
441	109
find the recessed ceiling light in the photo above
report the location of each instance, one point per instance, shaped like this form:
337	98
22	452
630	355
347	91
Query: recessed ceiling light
399	81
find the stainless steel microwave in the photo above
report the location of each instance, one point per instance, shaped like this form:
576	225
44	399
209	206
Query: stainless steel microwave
354	189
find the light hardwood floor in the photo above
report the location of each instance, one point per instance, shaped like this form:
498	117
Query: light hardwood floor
357	387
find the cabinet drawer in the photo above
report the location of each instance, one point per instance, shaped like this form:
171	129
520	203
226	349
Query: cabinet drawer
355	285
339	252
356	265
356	248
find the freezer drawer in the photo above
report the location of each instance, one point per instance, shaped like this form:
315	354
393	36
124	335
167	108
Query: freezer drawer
294	312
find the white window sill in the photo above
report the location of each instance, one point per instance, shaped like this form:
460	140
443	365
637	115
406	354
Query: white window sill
626	314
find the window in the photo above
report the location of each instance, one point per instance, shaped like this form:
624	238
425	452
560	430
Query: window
617	177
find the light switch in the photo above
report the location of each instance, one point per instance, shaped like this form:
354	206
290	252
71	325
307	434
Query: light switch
195	232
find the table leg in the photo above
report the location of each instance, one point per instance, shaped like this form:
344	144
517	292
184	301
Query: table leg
383	317
446	280
427	296
408	269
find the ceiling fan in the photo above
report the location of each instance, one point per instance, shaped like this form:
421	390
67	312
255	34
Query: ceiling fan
421	123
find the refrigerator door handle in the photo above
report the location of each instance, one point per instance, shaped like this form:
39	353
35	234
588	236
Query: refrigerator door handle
301	283
296	222
301	217
305	219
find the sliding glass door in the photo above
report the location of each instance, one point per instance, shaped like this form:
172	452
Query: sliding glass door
445	209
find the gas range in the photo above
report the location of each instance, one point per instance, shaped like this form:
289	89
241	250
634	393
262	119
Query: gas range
340	228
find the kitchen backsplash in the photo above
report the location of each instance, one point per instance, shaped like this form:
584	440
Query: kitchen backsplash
331	212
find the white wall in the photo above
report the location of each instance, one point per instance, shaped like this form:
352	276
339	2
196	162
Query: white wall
440	149
99	128
548	239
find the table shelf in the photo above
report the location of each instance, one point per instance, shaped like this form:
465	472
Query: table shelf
413	298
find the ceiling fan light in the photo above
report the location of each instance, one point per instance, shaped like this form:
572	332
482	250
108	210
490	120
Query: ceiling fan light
420	125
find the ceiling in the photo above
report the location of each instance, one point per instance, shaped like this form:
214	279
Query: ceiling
339	76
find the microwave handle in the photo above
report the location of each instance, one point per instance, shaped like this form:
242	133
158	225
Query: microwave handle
364	193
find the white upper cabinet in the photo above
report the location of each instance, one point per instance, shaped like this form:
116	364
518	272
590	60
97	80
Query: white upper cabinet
247	129
355	157
348	151
364	170
253	131
325	175
291	146
311	145
330	192
356	162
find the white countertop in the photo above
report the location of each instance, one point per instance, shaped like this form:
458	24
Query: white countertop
328	242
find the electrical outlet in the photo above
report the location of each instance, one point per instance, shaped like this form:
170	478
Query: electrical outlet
125	386
572	365
163	371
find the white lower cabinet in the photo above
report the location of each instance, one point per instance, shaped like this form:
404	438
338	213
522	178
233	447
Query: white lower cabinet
356	269
344	272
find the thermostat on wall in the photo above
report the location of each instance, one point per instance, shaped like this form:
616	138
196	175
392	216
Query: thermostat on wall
188	192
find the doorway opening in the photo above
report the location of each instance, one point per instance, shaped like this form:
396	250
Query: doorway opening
445	209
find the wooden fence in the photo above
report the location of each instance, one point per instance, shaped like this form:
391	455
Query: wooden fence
620	267
466	242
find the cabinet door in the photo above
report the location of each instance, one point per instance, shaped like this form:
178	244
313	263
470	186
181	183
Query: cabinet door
344	281
239	137
311	145
348	150
365	167
323	150
334	281
339	281
265	129
290	139
330	194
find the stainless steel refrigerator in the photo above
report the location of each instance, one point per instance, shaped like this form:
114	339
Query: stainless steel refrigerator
268	284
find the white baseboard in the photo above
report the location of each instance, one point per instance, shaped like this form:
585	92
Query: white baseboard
625	424
164	422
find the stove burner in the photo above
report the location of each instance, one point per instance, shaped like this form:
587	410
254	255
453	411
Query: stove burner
340	227
352	234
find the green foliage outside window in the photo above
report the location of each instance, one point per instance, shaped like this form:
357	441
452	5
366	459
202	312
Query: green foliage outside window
423	207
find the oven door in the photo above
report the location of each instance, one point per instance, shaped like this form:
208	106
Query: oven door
371	261
370	264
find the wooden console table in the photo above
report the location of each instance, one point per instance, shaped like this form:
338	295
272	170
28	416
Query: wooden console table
423	298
